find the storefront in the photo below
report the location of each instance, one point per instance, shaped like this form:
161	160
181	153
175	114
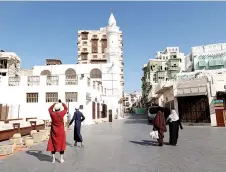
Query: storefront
192	100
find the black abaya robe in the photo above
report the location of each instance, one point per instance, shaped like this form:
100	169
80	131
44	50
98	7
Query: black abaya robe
78	118
174	131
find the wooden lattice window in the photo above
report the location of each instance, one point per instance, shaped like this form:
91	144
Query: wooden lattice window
84	36
3	64
104	45
71	96
32	97
52	80
33	80
94	46
95	73
84	56
71	78
14	81
52	97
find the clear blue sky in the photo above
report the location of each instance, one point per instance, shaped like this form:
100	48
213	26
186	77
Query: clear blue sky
39	30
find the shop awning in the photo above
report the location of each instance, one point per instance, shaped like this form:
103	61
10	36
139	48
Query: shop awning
163	89
185	92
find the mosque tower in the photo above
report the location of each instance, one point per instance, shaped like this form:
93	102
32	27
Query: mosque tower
113	53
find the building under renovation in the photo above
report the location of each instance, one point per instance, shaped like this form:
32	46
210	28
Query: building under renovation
9	64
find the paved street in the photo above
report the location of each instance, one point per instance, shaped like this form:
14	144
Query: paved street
125	146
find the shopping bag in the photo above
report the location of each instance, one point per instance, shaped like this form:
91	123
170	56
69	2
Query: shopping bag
154	135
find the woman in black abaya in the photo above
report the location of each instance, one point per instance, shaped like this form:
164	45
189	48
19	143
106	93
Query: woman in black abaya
174	124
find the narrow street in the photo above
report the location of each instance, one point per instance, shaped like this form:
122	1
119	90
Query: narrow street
125	146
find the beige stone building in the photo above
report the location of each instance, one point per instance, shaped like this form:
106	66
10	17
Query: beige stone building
92	45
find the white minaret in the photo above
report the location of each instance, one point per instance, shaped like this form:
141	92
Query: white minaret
113	50
113	54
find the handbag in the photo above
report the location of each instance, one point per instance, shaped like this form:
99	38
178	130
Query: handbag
154	135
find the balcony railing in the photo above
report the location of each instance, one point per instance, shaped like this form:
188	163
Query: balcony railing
174	68
33	80
69	81
52	80
14	81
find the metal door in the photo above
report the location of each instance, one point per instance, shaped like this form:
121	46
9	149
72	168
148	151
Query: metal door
194	109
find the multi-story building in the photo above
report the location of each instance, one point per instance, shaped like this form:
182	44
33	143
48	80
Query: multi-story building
163	68
145	84
209	57
199	93
132	99
9	64
92	45
90	85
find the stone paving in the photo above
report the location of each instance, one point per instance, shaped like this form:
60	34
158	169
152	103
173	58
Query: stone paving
125	146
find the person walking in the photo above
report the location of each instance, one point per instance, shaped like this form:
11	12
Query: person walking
159	124
174	124
57	139
77	118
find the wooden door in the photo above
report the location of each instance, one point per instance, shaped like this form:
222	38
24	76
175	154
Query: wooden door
194	109
98	110
220	117
110	115
94	110
104	111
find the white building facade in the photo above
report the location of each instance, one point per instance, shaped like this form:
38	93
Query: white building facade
199	95
95	87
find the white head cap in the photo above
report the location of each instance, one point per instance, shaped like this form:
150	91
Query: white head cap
58	106
77	106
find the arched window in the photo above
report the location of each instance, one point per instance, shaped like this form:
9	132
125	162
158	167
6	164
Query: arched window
46	72
95	73
70	77
70	73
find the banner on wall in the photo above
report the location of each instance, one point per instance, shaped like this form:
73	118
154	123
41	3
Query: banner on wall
219	104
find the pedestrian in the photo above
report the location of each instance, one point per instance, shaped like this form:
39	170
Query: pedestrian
159	124
174	124
57	139
68	120
78	118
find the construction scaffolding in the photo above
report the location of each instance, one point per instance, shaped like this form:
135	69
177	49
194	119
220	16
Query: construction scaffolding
9	64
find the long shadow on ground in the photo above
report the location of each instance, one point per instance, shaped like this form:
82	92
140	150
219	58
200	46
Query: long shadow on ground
148	143
38	154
